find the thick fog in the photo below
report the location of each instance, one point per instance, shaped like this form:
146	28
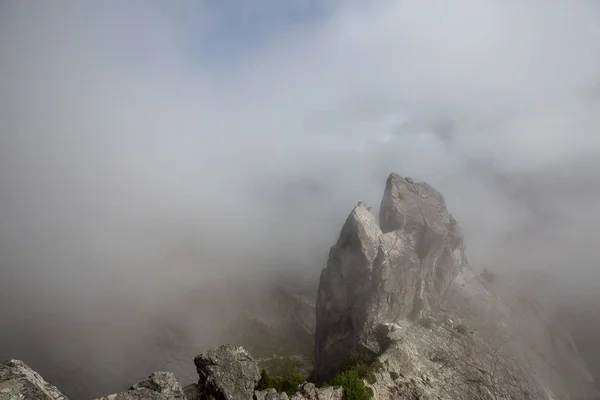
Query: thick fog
151	148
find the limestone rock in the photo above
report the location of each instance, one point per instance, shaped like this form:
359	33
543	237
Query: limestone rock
344	290
19	381
162	382
509	353
269	394
379	275
227	373
417	214
158	386
330	393
402	289
308	391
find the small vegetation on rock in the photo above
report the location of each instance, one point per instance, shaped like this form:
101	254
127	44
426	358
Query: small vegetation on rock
364	365
353	385
288	383
356	368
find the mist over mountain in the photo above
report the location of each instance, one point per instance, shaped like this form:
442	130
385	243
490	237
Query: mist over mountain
149	153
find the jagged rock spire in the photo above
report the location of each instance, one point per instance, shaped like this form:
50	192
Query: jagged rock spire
379	273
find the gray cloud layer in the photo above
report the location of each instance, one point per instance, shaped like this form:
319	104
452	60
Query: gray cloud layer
131	168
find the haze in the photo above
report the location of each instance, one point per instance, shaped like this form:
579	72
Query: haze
149	149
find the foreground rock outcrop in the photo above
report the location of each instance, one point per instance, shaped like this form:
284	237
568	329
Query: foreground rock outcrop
158	386
225	373
19	381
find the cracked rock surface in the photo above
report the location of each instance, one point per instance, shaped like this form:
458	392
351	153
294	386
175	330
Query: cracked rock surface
157	386
19	381
382	272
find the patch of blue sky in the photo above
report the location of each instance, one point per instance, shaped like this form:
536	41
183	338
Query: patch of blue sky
243	27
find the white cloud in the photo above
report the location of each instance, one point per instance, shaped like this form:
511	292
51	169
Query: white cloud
119	135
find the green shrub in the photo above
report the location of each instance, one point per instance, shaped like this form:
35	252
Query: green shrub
288	383
353	385
357	359
364	365
353	370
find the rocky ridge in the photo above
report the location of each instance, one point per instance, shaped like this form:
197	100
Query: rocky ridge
403	290
19	381
377	273
225	373
400	290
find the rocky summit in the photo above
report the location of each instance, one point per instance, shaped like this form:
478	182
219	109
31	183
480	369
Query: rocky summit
400	314
378	273
400	288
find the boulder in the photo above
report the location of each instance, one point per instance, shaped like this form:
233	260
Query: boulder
157	386
227	373
19	381
269	394
309	391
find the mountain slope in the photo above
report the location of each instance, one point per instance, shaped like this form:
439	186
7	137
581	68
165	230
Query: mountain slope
404	291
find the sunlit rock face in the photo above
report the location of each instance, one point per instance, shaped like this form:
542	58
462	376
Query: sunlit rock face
400	287
383	271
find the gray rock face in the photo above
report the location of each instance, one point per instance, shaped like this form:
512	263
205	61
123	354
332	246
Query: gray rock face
19	381
158	386
402	289
378	273
506	351
309	391
269	394
164	383
416	214
227	373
